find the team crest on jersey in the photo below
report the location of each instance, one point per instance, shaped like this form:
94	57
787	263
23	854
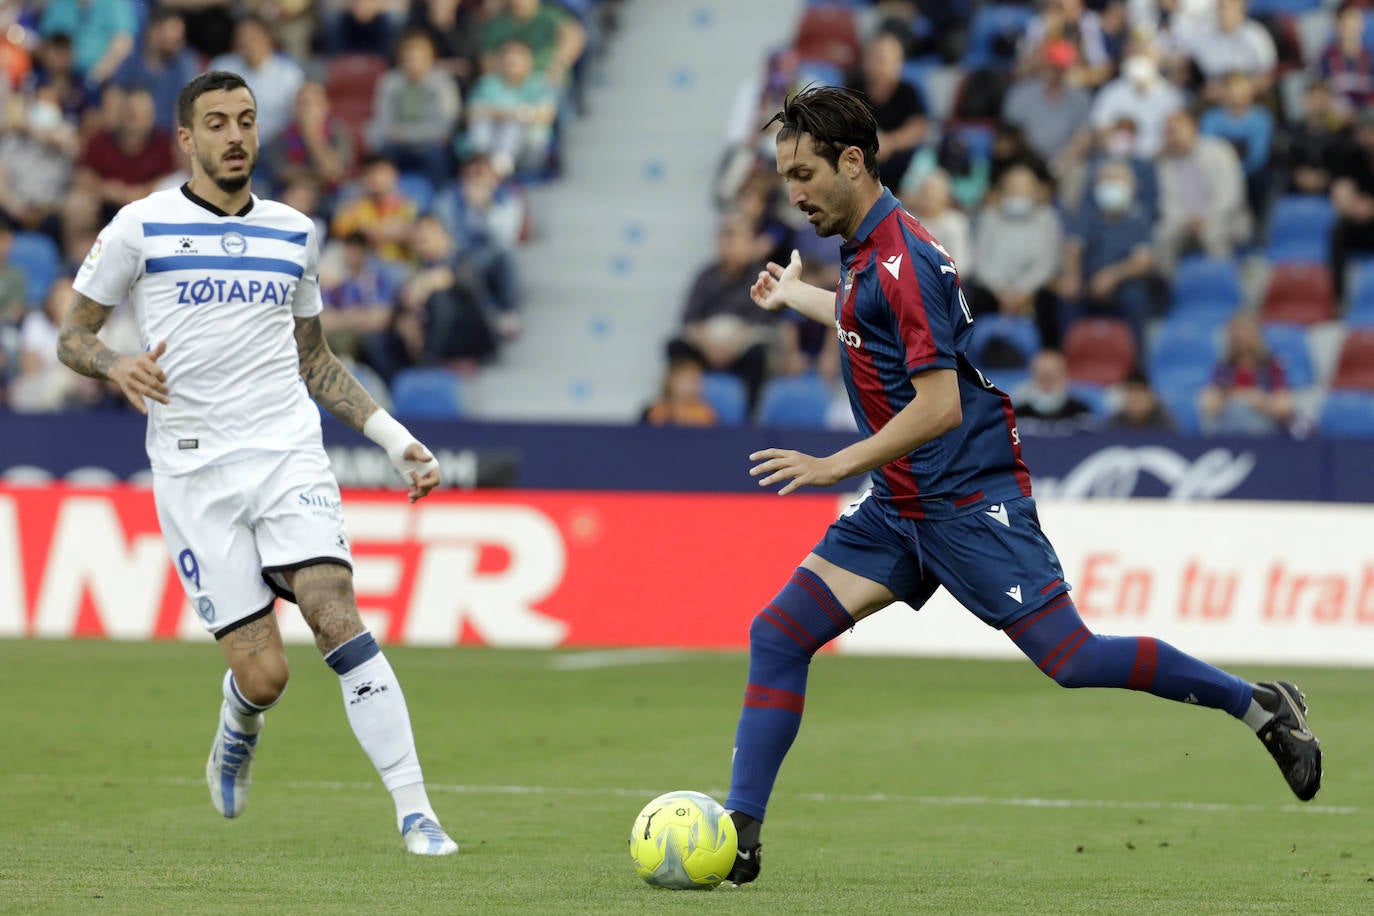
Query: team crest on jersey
846	285
233	243
94	254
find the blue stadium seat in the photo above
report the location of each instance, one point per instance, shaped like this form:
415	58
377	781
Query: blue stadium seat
1289	343
1183	355
1020	333
1182	404
1360	297
1300	228
795	400
1095	396
418	188
977	137
1208	286
988	24
1348	414
1275	8
36	255
1008	381
428	394
726	395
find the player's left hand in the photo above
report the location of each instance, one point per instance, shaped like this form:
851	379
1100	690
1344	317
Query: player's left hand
797	468
422	471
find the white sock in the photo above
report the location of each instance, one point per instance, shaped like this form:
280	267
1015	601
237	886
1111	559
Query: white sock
377	712
1256	716
243	715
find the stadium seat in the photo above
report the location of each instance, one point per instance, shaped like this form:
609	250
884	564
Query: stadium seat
350	81
828	33
1100	351
1289	343
418	188
726	395
1018	334
1300	229
1298	294
1205	285
796	400
1348	414
1355	365
1095	396
1270	8
1183	355
37	256
1182	404
1360	297
993	25
428	394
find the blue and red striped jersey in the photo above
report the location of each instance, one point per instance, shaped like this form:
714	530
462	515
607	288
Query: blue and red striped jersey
899	311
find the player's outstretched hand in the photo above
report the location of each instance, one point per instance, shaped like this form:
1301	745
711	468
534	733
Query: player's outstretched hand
141	377
773	289
421	470
797	468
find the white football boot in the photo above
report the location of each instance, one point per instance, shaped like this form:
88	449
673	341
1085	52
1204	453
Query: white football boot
229	769
425	837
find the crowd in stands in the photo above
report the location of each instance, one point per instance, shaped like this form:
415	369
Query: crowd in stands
407	129
1162	211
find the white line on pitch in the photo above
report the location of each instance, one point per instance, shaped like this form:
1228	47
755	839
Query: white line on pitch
839	797
611	658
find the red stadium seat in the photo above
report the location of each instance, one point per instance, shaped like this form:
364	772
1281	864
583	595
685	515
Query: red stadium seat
1299	294
1099	350
1355	368
350	82
828	33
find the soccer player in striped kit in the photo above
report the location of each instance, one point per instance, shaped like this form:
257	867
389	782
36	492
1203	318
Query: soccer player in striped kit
950	501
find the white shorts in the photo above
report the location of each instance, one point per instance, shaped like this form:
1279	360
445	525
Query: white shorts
233	529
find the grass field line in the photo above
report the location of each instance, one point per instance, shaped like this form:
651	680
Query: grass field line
985	801
612	658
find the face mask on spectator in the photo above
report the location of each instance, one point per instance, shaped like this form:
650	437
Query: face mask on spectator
1017	205
1046	402
44	115
1112	195
1140	71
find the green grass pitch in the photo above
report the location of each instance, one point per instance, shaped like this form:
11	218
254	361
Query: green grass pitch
915	786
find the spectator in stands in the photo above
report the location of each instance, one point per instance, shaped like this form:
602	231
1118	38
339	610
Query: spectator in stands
898	107
968	173
273	77
1249	393
1143	97
209	24
1107	258
38	148
1140	407
484	215
303	194
359	297
1010	149
1017	243
1052	114
1045	405
1201	195
1235	43
119	166
721	326
1071	21
163	66
13	281
314	144
1117	143
760	199
554	37
511	113
295	24
382	212
361	26
1352	197
680	400
805	345
102	33
933	204
43	383
453	27
1303	149
1347	65
1249	128
55	71
416	111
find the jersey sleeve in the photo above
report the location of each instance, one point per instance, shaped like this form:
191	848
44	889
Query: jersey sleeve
307	302
114	262
924	301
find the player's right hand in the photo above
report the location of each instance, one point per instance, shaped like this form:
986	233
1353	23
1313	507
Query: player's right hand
773	289
141	377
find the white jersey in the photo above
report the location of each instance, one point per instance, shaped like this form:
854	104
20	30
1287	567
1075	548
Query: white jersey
223	291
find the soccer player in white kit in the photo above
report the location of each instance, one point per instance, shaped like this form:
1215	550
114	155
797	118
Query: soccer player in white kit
225	289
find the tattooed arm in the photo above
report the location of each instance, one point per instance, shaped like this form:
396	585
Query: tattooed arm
328	380
78	346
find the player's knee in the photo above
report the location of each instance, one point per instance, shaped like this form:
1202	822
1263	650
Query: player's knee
265	682
766	637
1080	669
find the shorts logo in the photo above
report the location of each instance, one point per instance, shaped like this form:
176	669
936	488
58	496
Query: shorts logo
233	243
363	691
185	444
206	609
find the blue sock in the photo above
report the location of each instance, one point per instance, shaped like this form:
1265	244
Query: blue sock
802	617
1063	647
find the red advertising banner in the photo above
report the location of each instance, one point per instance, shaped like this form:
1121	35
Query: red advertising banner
527	569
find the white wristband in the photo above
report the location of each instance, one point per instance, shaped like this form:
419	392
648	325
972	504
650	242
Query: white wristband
385	430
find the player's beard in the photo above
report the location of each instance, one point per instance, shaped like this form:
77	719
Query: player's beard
229	184
835	209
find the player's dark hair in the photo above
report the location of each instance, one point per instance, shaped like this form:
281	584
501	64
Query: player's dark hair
212	81
836	118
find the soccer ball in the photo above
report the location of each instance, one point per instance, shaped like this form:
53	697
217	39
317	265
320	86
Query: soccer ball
683	841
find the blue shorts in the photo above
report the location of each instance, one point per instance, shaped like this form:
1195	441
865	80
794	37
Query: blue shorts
996	561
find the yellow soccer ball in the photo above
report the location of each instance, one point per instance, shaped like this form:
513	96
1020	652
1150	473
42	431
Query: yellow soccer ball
683	841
